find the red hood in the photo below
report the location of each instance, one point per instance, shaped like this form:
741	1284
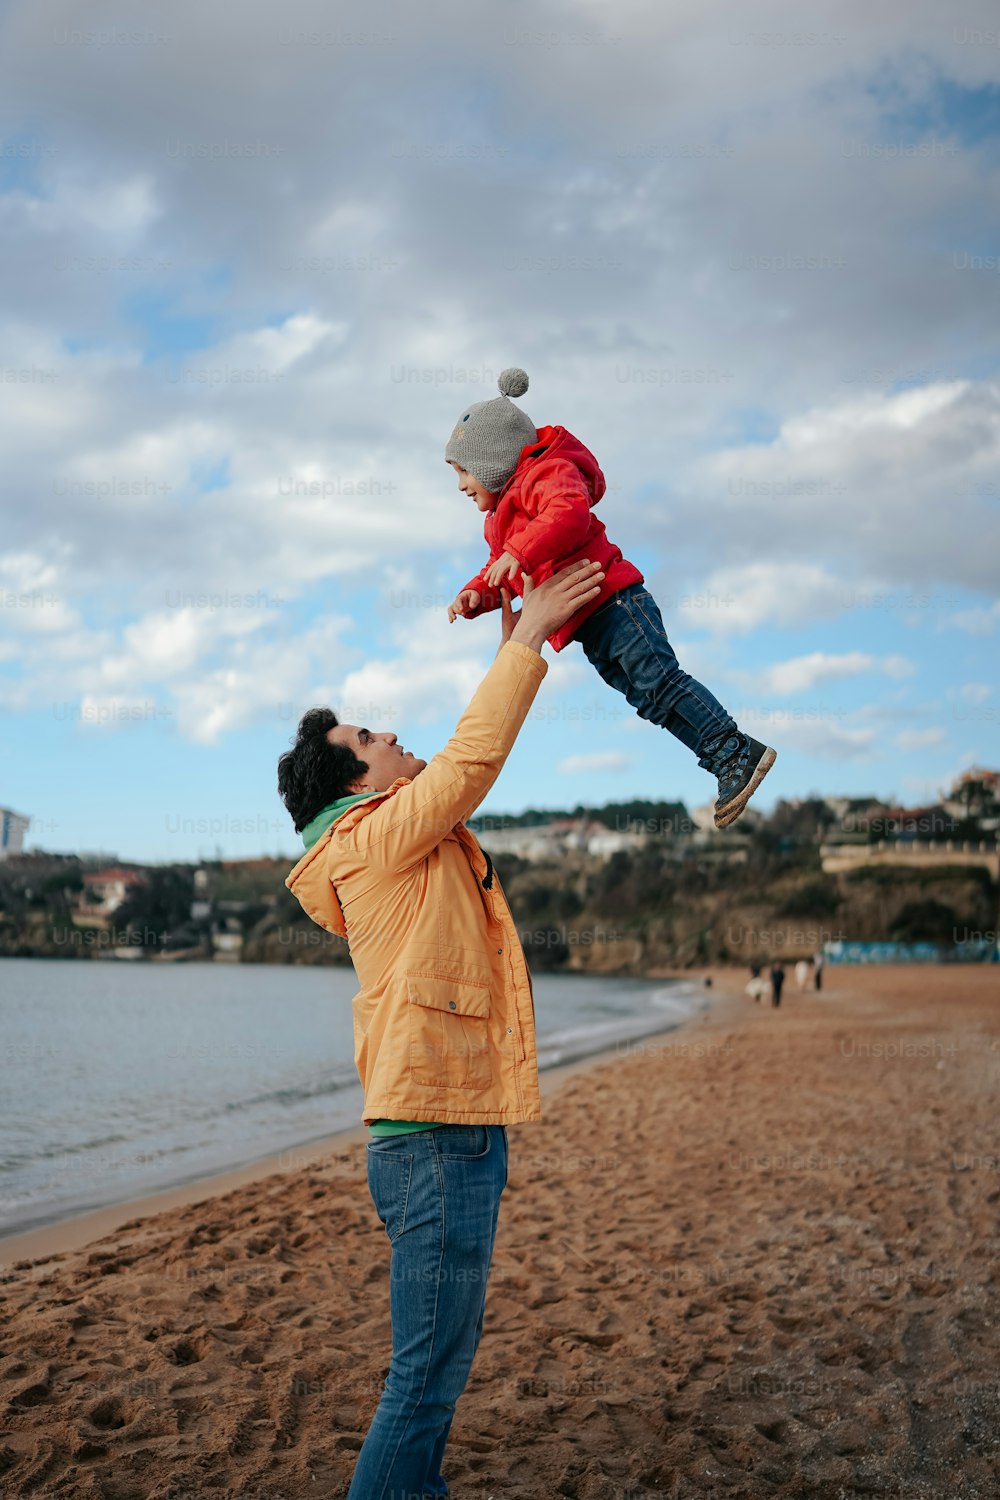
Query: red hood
558	442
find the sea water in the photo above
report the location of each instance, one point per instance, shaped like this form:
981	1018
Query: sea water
123	1079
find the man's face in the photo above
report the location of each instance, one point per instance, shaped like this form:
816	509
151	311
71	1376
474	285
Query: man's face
386	760
485	499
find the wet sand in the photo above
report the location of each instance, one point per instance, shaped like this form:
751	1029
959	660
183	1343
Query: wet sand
754	1256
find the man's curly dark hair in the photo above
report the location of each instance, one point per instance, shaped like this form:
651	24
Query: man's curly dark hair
315	773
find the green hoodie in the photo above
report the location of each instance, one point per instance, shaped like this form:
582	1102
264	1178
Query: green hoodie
327	815
310	833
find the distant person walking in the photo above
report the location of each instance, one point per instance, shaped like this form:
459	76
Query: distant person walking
777	980
802	974
755	985
818	962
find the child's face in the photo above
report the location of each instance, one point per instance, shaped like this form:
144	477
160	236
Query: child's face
485	499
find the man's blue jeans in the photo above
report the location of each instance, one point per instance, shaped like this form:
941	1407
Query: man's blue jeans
626	642
438	1194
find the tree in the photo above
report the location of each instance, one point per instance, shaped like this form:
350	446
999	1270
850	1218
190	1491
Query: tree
162	902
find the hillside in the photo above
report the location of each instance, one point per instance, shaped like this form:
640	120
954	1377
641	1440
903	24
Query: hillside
669	898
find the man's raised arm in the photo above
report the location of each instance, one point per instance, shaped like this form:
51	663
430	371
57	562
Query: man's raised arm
404	828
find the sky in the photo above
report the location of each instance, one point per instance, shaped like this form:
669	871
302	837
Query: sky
257	262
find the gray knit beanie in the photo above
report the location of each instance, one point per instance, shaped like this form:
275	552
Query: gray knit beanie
489	436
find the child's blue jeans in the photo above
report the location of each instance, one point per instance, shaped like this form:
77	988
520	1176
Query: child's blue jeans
626	642
438	1194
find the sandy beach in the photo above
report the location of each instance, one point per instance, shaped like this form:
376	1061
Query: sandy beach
754	1256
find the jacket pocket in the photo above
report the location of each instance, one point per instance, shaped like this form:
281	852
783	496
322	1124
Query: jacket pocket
449	1032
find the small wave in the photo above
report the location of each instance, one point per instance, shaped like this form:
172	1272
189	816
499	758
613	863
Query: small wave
675	996
558	1047
295	1093
56	1153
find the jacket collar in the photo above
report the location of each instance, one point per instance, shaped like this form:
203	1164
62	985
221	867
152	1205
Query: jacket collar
310	881
327	815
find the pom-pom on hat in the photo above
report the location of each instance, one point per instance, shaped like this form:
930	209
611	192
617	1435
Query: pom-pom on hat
488	437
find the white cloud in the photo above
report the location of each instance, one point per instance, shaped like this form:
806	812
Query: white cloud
436	673
738	599
113	212
804	672
920	739
826	740
801	673
32	595
107	711
597	760
982	620
878	483
263	680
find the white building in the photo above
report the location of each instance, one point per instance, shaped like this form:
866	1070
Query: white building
561	836
13	827
104	891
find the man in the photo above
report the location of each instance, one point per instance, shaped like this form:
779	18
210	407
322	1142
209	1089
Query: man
444	1037
777	983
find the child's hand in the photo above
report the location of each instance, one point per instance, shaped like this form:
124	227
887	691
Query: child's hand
508	619
467	599
504	567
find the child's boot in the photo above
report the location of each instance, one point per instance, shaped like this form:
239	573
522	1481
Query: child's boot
739	779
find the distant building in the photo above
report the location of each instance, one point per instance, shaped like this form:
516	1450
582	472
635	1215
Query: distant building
932	820
703	817
13	827
227	940
561	836
104	891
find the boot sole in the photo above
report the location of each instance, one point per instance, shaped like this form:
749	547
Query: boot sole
732	810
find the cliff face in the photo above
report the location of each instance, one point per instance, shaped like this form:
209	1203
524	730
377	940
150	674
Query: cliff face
647	911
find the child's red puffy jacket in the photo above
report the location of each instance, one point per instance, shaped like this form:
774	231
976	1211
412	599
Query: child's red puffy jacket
544	517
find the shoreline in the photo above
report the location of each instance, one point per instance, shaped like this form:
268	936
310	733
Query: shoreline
76	1230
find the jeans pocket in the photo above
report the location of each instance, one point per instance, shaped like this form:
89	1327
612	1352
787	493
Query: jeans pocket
389	1184
648	608
463	1142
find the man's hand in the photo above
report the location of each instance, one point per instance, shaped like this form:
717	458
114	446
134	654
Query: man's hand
504	567
466	600
553	602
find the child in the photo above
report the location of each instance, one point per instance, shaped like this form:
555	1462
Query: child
538	490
